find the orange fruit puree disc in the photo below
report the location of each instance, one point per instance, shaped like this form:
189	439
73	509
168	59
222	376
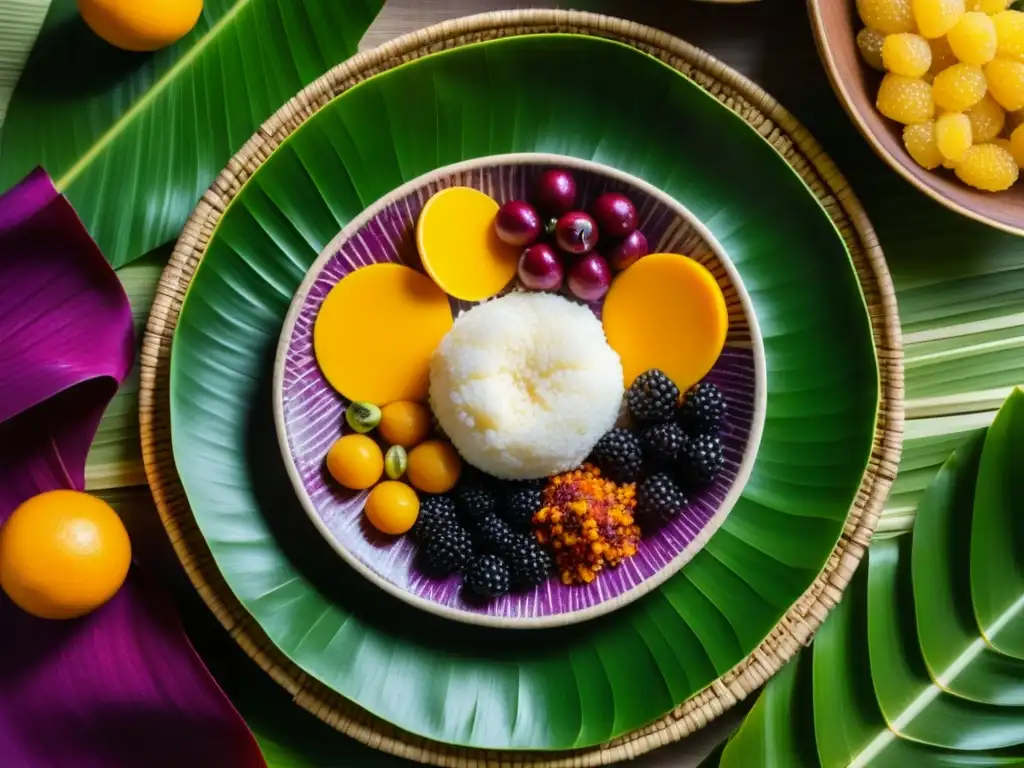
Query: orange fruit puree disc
459	246
666	311
376	331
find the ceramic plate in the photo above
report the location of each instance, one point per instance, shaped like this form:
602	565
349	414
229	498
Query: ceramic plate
310	414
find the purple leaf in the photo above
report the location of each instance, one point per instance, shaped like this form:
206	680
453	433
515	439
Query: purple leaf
121	686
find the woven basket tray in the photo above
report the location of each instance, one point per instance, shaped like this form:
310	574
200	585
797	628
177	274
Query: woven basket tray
791	141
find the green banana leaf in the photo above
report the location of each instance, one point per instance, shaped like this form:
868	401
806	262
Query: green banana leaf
961	300
787	724
783	710
946	624
915	706
902	674
997	534
927	445
134	139
457	683
960	297
115	459
960	288
21	20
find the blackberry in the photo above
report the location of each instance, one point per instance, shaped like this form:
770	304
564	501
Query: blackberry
662	443
449	550
618	455
529	564
653	397
521	502
487	577
436	512
702	409
700	460
493	536
475	500
659	499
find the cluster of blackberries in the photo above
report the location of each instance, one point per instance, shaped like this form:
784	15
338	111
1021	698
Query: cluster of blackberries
673	446
482	530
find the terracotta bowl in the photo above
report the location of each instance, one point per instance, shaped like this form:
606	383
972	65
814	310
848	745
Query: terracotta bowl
835	25
309	413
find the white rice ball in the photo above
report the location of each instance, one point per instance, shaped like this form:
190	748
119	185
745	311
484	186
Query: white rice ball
525	385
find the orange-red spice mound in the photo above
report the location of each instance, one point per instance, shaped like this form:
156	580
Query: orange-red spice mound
587	521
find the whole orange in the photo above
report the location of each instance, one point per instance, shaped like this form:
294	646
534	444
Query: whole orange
63	554
141	25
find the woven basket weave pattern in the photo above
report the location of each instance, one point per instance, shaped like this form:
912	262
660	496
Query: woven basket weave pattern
791	141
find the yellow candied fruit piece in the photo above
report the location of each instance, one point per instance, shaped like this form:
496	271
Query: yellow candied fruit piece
1006	82
906	54
936	17
869	43
973	39
988	167
1005	144
919	139
905	99
987	120
887	16
1009	34
953	135
959	87
942	54
987	6
1016	146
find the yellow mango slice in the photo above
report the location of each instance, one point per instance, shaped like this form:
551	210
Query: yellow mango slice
459	246
666	311
376	331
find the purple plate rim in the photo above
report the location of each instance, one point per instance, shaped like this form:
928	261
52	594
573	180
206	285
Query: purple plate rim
648	585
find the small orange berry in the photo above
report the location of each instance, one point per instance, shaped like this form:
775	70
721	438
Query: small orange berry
434	467
355	461
405	423
392	507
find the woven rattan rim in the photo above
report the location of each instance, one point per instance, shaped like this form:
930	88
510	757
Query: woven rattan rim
783	132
